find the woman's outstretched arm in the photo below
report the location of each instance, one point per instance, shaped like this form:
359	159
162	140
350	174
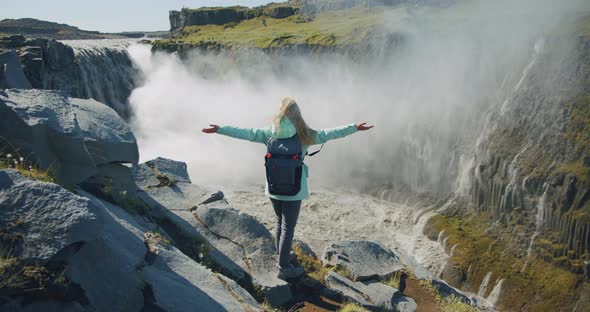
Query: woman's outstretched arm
250	134
324	135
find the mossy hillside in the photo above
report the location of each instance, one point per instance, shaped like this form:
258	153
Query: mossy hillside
325	30
540	286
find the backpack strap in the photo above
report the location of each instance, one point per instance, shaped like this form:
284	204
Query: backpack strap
307	154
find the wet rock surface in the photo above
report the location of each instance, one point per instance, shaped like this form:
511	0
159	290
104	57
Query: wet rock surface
104	74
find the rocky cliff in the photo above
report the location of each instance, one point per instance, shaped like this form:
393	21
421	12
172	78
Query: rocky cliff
104	73
524	228
224	15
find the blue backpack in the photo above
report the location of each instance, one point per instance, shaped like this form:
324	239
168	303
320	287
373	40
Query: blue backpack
284	165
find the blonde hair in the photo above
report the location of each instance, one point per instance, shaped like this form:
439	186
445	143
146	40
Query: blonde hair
290	109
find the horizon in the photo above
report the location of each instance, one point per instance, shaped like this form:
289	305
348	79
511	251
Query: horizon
98	16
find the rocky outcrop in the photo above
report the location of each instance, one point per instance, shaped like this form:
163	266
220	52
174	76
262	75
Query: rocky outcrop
532	168
74	137
11	73
224	15
364	260
115	260
239	246
105	74
47	222
370	294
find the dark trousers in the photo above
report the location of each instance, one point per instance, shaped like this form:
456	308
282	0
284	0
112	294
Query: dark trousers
287	213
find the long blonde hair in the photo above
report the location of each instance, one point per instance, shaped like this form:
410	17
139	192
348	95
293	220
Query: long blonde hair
290	109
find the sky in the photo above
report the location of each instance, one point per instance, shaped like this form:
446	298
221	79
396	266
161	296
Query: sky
109	15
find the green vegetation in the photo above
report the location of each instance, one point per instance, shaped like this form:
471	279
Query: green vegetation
395	279
10	158
352	307
445	304
312	266
578	132
539	286
38	28
328	29
21	279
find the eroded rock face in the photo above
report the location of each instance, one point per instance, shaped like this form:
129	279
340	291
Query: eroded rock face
48	217
73	136
11	72
364	260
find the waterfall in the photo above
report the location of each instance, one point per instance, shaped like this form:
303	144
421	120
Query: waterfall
537	49
484	284
496	291
538	225
101	69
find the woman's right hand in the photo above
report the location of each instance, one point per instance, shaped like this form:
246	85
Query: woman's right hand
212	129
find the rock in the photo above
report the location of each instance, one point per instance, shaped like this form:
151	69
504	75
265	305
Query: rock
304	248
174	171
370	294
444	290
363	259
11	72
59	55
213	198
256	243
13	41
33	65
180	284
240	246
453	274
48	217
176	282
419	270
72	136
161	172
405	304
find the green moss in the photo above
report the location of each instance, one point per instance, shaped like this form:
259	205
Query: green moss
540	286
352	307
312	266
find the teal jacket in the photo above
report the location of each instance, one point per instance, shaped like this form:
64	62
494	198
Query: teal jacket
287	130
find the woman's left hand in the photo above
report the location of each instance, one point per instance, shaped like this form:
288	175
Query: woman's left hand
363	126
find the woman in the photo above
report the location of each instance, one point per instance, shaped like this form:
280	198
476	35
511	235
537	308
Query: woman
287	123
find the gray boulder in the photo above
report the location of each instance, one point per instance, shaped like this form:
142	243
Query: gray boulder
140	272
161	172
364	260
370	294
240	246
180	284
256	244
11	72
48	217
72	136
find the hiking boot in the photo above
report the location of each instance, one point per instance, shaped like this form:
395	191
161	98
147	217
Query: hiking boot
290	272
